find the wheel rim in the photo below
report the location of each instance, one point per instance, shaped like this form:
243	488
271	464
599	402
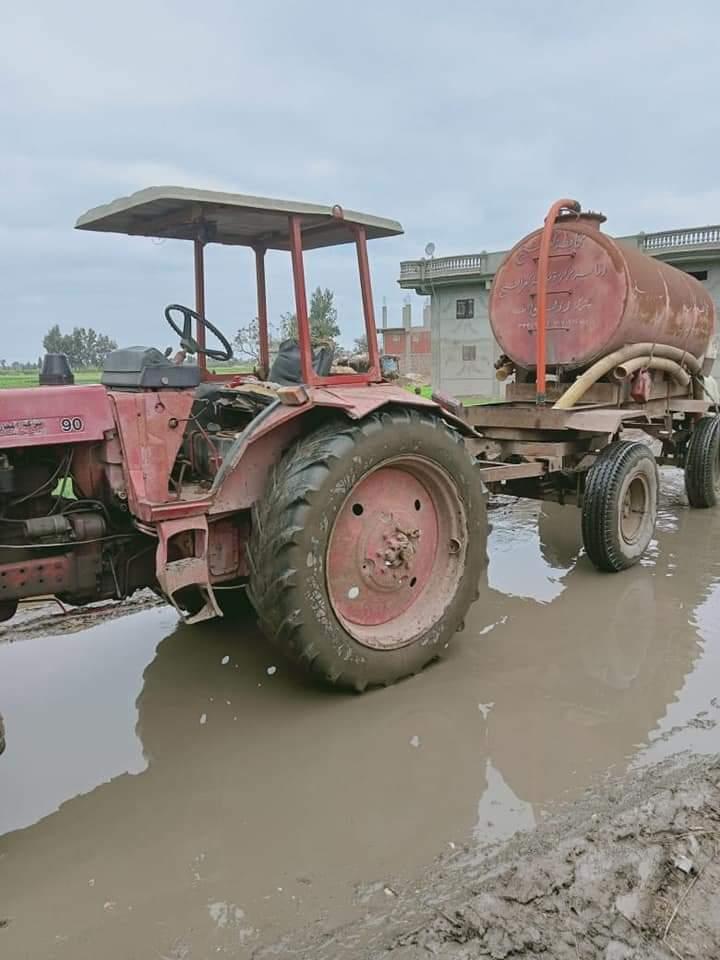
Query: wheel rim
396	552
634	501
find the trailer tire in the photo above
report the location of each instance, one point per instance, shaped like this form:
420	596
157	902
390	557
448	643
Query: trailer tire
339	580
702	464
619	507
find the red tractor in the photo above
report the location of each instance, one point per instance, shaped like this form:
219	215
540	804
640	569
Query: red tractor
348	508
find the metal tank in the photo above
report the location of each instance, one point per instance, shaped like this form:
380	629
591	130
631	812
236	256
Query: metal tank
601	295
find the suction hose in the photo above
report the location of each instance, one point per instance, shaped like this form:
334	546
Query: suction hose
648	352
653	363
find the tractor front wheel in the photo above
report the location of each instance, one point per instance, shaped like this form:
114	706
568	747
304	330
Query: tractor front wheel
367	548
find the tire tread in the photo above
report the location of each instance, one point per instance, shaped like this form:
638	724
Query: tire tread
599	508
278	521
703	448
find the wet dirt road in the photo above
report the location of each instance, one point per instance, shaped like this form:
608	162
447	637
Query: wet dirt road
166	794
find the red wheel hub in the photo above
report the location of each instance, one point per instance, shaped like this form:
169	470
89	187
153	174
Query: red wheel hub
393	550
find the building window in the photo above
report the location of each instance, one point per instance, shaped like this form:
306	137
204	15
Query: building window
464	309
468	351
698	274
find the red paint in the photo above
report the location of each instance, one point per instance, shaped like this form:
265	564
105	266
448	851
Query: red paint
226	547
301	312
383	550
301	309
39	415
367	301
186	571
150	443
601	295
199	264
262	311
541	301
73	572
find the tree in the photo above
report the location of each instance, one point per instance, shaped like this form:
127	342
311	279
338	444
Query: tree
53	341
288	326
322	317
103	347
361	344
247	340
83	348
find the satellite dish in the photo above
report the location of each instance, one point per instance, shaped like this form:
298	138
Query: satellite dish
429	249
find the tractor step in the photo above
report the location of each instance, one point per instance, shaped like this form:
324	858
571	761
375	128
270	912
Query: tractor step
189	533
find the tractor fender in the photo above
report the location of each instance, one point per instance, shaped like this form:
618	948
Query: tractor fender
260	446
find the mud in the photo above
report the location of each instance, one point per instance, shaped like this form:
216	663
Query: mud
631	873
178	792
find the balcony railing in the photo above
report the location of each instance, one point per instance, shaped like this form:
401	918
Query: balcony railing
443	267
477	264
671	239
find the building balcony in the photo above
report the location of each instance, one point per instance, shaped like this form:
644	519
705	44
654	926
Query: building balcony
422	274
680	246
676	246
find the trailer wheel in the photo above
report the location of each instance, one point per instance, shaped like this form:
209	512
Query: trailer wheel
367	547
620	505
702	463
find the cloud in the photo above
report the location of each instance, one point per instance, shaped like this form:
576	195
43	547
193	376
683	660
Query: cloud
462	120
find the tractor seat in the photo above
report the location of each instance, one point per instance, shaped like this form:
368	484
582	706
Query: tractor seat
286	366
142	368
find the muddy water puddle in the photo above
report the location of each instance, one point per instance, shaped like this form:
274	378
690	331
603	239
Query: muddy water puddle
166	793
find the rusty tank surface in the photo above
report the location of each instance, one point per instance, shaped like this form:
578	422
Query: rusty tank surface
601	295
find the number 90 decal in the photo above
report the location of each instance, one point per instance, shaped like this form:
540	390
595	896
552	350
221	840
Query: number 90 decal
71	424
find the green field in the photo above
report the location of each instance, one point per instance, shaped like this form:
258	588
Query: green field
29	378
470	401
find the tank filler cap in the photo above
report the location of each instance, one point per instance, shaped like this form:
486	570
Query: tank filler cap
592	217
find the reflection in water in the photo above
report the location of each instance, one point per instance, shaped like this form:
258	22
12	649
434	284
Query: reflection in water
262	801
597	670
500	813
71	714
514	540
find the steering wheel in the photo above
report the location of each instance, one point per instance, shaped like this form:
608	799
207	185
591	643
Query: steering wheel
188	342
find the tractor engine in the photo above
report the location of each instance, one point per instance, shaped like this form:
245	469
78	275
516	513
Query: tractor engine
55	540
218	417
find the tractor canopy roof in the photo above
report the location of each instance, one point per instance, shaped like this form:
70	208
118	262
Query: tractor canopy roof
184	213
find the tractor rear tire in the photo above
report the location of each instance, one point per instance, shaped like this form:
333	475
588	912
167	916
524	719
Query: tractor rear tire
702	464
367	547
619	507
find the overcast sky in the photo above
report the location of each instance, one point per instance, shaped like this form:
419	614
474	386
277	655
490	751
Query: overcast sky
463	120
